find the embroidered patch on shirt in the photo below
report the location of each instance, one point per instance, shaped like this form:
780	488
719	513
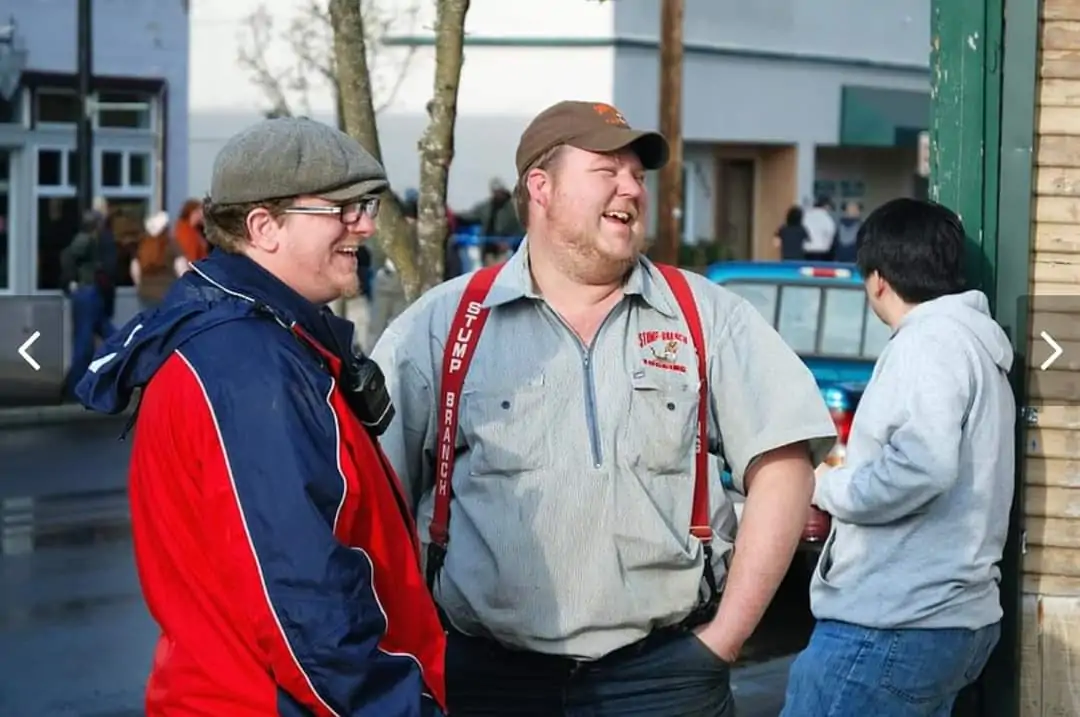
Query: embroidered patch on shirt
661	349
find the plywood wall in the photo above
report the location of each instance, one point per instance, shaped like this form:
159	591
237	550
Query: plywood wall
1050	678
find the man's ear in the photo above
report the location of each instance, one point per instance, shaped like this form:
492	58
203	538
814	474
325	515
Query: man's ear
538	185
262	229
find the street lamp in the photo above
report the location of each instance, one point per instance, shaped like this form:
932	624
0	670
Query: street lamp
13	54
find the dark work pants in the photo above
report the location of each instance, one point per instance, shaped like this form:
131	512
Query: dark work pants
669	674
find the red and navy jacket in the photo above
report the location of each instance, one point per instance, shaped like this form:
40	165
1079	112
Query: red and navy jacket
272	542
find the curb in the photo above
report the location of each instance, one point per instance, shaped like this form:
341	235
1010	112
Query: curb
45	415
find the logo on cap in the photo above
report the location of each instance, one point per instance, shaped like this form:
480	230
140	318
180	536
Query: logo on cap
610	115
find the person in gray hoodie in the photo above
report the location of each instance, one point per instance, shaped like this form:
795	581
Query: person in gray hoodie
906	589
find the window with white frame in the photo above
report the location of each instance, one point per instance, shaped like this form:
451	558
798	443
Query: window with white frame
127	170
55	106
124	110
111	109
125	178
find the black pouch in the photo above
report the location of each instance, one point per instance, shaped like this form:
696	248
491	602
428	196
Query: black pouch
364	387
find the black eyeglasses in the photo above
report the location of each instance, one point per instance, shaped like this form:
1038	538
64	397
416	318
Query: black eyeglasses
346	213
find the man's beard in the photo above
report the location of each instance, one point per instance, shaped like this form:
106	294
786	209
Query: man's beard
583	260
352	289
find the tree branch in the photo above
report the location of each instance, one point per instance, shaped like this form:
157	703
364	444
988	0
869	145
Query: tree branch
251	55
437	144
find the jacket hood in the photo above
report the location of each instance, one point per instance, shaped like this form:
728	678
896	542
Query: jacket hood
221	288
971	310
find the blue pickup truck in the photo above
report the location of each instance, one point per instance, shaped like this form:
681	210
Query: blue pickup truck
820	310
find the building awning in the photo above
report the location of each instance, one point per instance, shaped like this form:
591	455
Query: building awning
877	117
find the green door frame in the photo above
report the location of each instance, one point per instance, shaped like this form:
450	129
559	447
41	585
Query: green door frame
982	166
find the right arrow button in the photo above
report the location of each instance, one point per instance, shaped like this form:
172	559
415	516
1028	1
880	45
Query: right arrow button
1054	356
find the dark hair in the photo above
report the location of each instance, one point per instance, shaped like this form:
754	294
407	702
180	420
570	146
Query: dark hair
226	224
189	208
90	222
410	207
794	216
823	202
916	246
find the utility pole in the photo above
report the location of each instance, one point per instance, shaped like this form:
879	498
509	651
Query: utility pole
85	136
669	205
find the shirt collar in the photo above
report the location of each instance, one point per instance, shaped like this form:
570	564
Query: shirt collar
239	276
515	282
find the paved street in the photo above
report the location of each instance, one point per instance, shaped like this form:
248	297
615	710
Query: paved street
75	638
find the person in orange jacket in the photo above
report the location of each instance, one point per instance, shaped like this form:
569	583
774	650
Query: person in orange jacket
189	231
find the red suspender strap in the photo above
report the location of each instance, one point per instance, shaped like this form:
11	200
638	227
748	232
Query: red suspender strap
457	355
700	525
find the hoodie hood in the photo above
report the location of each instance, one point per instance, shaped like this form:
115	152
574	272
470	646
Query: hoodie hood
970	310
220	289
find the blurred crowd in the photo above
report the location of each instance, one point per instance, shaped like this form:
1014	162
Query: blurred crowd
821	232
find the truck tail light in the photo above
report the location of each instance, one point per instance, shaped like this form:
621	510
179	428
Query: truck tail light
842	420
818	522
822	272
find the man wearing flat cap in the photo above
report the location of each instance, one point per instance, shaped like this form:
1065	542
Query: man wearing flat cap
578	543
273	543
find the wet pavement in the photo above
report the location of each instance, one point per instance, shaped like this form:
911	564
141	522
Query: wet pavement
75	637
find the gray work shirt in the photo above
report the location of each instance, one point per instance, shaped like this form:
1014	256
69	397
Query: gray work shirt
572	490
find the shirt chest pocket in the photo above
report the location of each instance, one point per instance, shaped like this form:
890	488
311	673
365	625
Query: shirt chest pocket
505	430
662	427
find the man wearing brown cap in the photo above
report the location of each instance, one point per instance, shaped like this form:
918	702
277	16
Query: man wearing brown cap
273	545
548	425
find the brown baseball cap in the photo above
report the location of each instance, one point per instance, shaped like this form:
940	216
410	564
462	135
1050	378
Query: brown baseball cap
591	126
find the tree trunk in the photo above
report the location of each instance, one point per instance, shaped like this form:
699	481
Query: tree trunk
358	118
669	205
437	145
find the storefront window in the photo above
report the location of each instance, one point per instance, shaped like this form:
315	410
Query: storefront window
112	169
128	194
57	223
50	170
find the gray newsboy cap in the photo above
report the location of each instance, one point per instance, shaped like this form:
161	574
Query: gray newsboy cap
292	157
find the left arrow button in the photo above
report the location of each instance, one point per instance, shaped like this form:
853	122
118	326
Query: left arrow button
24	351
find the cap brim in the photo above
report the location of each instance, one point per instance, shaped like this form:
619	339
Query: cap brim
650	147
354	190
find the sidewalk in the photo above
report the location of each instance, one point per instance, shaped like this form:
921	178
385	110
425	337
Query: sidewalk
25	416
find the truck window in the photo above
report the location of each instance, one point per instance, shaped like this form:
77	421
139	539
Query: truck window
818	320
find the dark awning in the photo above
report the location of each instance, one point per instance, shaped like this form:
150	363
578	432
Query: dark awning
877	117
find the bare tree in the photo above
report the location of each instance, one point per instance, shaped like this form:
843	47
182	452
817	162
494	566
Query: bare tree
308	39
419	259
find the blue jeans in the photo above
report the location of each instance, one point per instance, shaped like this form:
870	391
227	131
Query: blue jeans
852	671
89	320
669	674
